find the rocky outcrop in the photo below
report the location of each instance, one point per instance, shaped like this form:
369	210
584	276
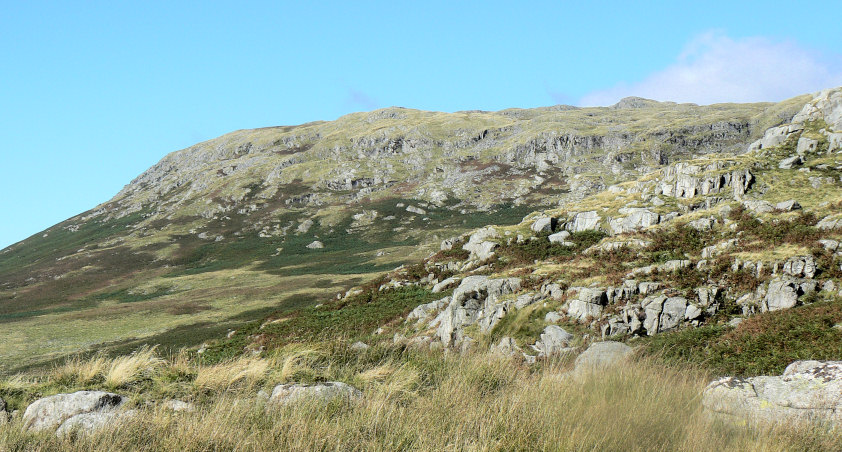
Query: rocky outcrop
807	391
686	181
96	408
475	300
320	393
479	245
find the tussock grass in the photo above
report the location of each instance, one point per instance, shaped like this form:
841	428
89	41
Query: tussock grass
245	372
420	401
128	369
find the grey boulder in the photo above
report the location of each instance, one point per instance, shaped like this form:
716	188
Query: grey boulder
51	412
554	341
601	355
807	391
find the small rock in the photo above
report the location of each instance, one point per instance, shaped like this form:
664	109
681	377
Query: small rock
735	322
359	346
552	317
319	393
179	406
790	162
559	237
788	206
316	245
554	340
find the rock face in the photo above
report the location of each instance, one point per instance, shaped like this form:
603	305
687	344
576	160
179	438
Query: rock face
686	181
807	391
318	393
53	411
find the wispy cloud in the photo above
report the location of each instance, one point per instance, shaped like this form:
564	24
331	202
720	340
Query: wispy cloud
358	98
716	68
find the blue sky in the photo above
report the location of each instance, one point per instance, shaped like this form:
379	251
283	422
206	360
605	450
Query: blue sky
93	93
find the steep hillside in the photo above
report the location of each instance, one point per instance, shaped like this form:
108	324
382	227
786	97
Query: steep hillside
259	220
729	261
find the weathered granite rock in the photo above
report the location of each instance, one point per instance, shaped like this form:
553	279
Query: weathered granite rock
790	162
584	221
88	423
806	145
554	340
479	245
316	393
544	224
759	206
800	266
475	298
559	237
636	218
51	412
781	294
807	391
438	287
788	206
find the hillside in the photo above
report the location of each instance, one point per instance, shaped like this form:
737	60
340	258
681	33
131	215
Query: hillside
257	221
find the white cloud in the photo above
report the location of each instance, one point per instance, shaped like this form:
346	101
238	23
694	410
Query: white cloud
715	68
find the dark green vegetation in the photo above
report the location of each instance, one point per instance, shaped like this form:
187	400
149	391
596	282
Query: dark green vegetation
354	318
760	345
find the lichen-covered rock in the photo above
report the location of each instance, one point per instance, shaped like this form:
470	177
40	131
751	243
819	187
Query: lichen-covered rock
88	423
51	412
316	393
807	391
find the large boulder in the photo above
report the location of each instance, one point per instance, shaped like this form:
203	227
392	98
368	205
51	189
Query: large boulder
51	412
602	354
807	391
781	294
584	221
543	224
316	393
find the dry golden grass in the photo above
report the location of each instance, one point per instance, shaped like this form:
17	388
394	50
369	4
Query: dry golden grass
128	369
244	372
433	402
